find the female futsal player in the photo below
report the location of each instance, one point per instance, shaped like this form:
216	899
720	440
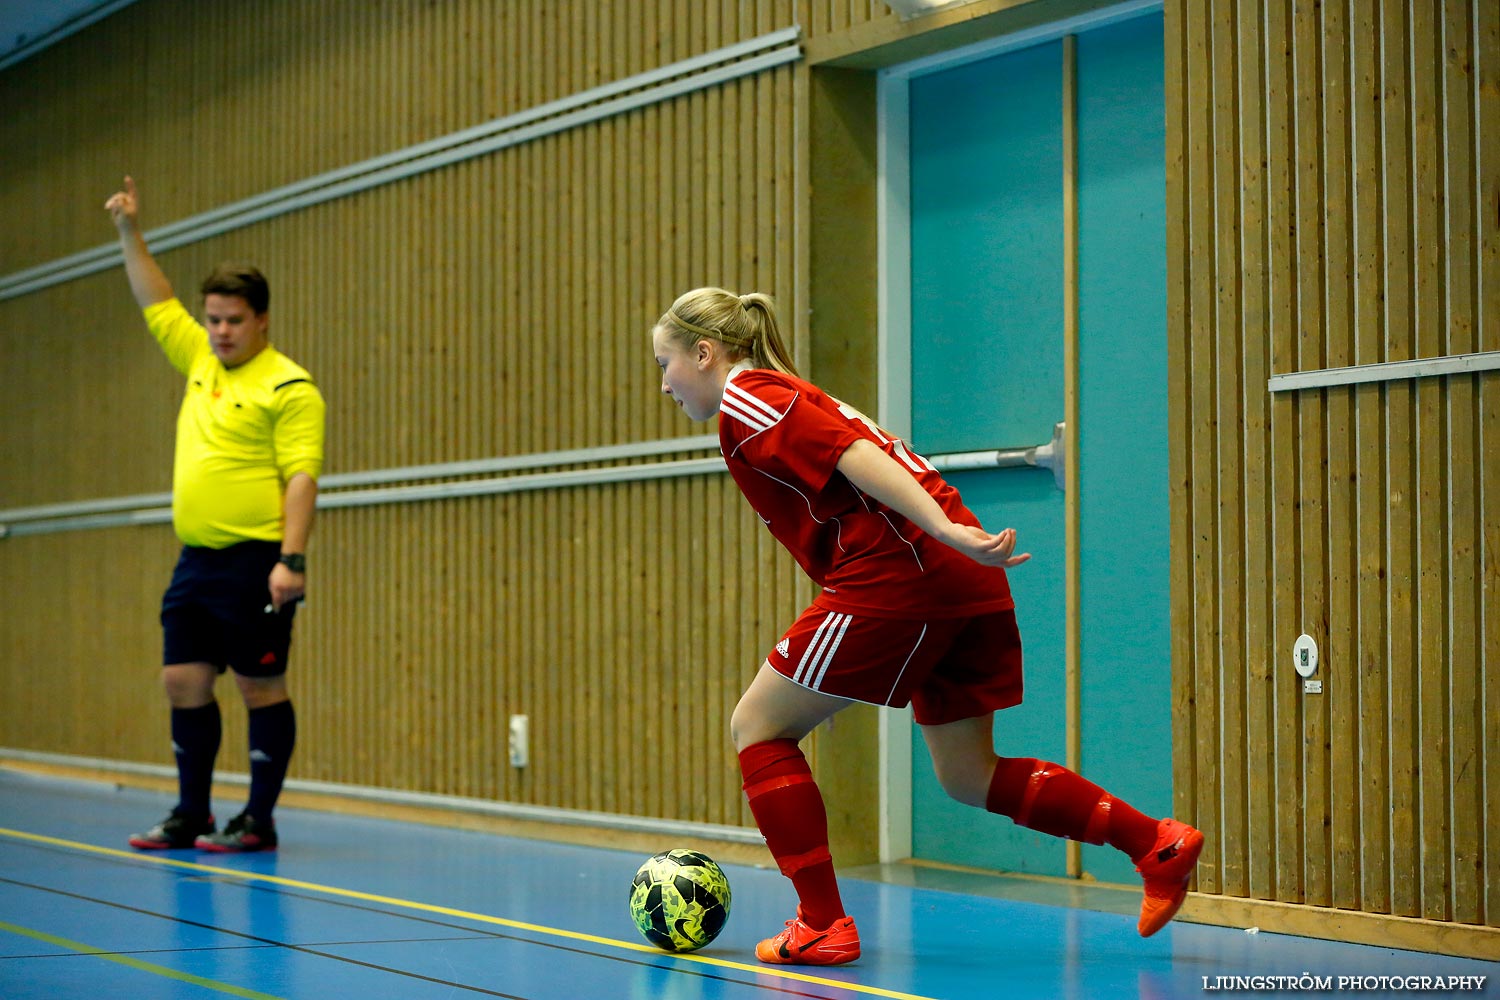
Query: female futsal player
915	607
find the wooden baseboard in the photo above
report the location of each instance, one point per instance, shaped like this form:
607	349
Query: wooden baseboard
645	844
1263	915
1382	930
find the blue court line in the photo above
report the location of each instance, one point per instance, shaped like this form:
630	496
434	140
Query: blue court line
758	970
135	963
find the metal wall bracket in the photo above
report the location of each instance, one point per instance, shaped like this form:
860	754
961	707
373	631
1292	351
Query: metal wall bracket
1051	456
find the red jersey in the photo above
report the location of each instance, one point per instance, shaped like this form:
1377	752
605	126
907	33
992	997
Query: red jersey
782	438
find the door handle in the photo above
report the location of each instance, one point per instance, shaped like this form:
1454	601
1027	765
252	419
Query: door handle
1051	456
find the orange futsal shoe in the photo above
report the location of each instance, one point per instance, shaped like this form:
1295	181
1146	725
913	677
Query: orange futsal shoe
1166	870
799	944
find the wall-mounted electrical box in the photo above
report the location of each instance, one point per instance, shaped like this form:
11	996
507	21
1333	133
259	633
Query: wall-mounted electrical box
1305	660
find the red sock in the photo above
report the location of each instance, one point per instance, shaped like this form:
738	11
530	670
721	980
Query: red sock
789	810
1043	796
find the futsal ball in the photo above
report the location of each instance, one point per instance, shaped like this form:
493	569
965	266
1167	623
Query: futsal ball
680	900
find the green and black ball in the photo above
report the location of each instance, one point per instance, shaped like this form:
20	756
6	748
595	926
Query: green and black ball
680	900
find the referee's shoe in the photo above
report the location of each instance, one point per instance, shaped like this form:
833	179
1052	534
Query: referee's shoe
177	831
242	833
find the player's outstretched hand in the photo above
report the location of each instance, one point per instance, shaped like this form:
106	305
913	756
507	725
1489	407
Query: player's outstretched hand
983	547
124	207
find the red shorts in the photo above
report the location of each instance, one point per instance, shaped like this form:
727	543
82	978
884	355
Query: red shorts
947	668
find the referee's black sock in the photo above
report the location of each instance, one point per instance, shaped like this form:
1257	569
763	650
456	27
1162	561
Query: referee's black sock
195	741
273	733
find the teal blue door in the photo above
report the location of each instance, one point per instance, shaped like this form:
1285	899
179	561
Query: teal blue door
987	314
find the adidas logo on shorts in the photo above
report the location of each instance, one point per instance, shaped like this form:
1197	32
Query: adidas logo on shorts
784	647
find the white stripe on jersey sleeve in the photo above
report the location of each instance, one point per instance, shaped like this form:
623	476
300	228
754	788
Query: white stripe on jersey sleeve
754	421
752	402
752	411
903	456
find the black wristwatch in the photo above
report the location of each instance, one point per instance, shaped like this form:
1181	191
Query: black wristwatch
294	561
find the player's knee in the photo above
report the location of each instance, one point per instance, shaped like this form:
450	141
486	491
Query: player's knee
187	687
748	726
964	780
951	782
259	692
740	726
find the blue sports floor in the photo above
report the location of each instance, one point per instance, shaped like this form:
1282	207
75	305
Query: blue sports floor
365	908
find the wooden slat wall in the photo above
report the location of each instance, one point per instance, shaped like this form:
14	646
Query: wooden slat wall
499	306
1333	179
829	17
1334	199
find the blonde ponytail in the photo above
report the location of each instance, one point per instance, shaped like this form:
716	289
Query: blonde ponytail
745	324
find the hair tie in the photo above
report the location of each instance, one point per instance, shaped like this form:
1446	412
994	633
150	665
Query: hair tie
693	326
720	335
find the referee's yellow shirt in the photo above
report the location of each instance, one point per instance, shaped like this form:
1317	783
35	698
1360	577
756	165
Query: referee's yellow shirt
242	434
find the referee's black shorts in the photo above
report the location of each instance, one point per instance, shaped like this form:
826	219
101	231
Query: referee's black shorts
215	610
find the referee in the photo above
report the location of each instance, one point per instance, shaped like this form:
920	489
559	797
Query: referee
244	482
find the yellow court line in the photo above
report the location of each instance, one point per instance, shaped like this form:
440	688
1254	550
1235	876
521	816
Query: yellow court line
331	890
135	963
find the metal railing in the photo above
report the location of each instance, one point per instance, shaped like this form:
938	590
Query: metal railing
384	486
